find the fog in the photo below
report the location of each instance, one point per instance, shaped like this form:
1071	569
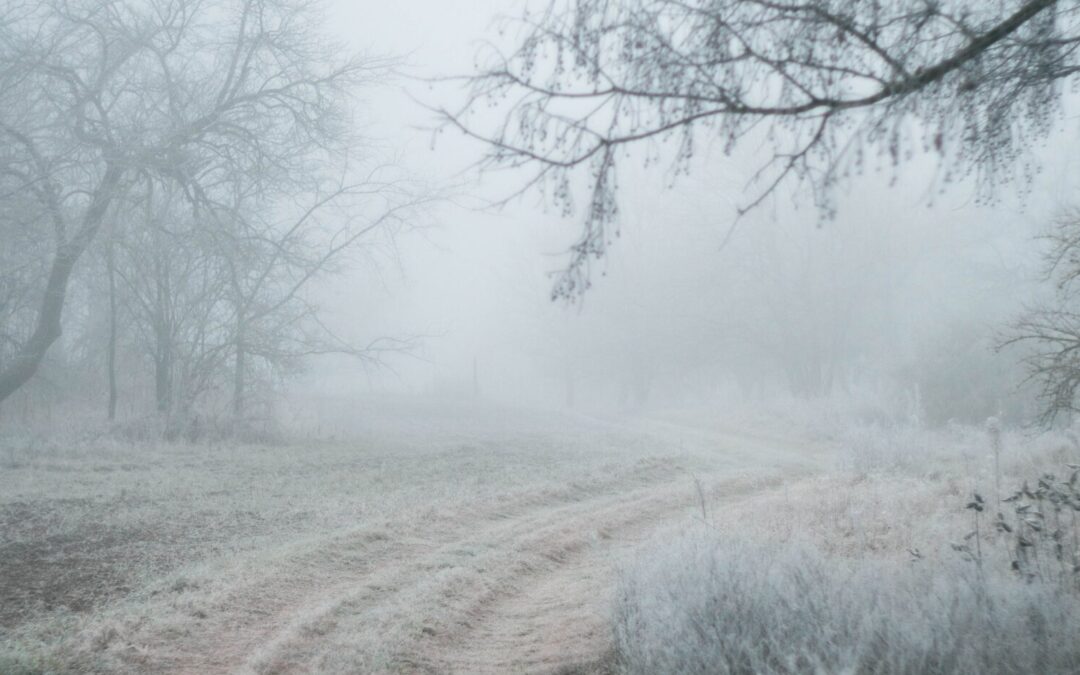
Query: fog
693	304
578	337
907	271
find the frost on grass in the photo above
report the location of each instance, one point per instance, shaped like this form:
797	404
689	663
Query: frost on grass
711	605
870	568
125	557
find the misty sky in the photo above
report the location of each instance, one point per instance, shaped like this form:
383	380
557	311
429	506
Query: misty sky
475	281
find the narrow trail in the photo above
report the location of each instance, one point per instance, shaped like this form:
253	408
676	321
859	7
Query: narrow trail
521	585
553	614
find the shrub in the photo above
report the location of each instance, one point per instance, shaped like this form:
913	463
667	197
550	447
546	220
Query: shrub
707	605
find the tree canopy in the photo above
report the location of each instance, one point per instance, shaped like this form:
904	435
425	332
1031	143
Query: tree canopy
829	84
213	141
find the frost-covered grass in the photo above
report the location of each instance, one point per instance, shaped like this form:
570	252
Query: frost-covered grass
854	570
101	537
712	605
117	553
873	437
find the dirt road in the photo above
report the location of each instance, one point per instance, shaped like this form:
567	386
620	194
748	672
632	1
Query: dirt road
489	550
523	585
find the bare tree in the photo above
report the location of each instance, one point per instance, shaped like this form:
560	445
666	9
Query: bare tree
174	294
95	95
271	256
825	82
1050	332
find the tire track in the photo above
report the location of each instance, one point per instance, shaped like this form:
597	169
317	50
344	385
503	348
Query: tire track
243	628
537	601
449	588
517	584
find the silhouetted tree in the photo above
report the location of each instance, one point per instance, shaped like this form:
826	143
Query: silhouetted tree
1051	331
97	96
827	82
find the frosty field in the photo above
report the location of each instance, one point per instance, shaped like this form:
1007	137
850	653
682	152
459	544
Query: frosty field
561	337
444	540
472	539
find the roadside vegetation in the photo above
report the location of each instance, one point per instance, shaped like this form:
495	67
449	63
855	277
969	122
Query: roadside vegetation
924	552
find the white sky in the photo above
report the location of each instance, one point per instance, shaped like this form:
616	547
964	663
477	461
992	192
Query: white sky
477	279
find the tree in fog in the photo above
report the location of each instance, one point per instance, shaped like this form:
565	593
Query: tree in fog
100	99
269	257
828	85
1050	332
215	292
170	288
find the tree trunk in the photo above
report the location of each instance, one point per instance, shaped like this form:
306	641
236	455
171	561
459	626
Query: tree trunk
162	312
47	329
110	357
163	377
163	349
238	375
